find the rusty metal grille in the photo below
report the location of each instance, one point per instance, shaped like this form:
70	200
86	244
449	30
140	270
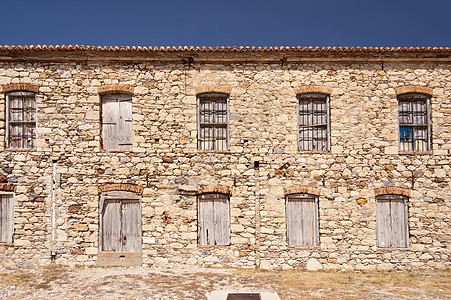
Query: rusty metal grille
213	128
414	123
21	120
313	123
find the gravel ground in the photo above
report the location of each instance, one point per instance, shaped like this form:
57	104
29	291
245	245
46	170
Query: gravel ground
62	282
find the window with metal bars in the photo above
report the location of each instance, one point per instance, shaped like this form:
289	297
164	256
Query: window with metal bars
313	123
414	123
21	120
213	122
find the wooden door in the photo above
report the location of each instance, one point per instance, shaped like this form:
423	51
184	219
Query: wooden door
302	221
6	218
214	220
121	226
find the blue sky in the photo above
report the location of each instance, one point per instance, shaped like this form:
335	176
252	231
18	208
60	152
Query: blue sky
377	23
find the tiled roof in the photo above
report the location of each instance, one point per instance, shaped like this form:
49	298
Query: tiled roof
227	49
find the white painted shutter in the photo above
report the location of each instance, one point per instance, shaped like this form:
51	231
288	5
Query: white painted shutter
6	218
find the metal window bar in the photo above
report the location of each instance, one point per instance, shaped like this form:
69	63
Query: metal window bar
414	123
313	123
213	122
21	120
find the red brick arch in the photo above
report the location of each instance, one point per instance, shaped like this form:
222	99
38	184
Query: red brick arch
13	87
302	189
108	187
414	89
390	190
209	188
222	89
116	89
313	89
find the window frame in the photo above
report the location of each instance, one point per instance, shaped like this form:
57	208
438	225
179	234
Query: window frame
411	97
212	197
303	197
311	97
214	125
8	121
404	200
10	195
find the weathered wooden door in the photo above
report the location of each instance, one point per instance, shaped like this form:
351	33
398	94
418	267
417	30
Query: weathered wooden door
214	220
391	218
302	220
6	218
121	226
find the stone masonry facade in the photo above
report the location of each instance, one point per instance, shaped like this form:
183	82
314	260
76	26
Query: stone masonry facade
57	184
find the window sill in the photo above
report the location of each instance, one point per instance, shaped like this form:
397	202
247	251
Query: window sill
20	149
392	249
213	247
304	248
314	152
212	151
6	244
415	153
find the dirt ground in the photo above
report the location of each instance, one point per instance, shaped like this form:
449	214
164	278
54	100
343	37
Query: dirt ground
63	282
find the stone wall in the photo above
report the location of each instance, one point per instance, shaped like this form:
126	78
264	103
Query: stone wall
169	171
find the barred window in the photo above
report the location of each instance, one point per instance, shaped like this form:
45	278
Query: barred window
313	123
213	220
414	123
302	220
391	221
213	122
21	120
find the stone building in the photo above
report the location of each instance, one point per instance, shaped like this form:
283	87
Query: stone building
273	158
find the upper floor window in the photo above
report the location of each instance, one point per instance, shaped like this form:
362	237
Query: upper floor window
414	123
313	123
213	220
117	122
213	122
302	220
21	120
391	221
6	217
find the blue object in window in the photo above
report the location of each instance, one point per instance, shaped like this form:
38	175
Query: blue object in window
405	132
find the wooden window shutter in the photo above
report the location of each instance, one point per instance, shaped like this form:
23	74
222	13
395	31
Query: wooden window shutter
125	123
117	122
6	218
302	220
